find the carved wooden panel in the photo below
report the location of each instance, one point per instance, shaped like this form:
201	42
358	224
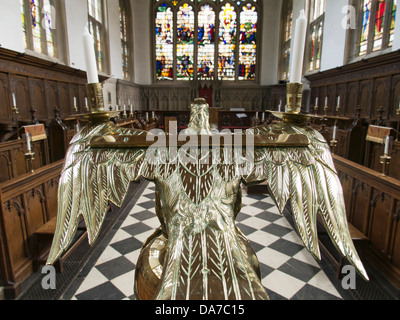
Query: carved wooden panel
5	103
37	97
380	218
27	203
351	99
51	95
19	86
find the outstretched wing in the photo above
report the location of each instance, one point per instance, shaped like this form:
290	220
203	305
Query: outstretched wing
91	177
306	176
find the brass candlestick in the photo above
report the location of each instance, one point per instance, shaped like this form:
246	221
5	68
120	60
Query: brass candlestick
294	92
334	144
316	109
29	157
97	112
385	161
15	113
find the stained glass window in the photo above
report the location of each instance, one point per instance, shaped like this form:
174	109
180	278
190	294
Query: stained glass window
227	42
366	18
316	24
185	42
206	43
164	26
198	39
376	29
39	24
96	29
125	39
248	40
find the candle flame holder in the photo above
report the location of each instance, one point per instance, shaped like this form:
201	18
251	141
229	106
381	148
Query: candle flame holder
96	110
333	144
294	93
15	113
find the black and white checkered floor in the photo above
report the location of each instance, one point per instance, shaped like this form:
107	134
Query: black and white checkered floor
289	272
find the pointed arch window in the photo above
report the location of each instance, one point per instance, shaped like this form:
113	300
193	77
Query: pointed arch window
206	39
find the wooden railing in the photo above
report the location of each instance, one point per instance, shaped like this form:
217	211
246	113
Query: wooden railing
27	203
373	207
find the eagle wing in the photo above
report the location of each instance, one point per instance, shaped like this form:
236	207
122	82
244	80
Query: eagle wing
307	177
90	179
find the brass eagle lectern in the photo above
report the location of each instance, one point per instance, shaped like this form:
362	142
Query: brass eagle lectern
198	252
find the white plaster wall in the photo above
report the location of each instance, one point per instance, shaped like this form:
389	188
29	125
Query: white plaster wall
142	41
114	39
11	32
269	55
334	38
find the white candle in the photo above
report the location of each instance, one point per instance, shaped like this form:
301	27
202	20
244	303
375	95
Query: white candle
28	142
326	101
387	142
298	48
90	56
316	101
147	117
14	100
334	133
117	108
153	114
338	101
86	103
263	116
131	108
280	106
257	114
74	101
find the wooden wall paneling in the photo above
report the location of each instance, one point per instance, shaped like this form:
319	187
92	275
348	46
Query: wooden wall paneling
19	162
332	99
52	98
380	219
5	99
381	97
20	86
15	233
64	100
394	249
394	168
365	98
395	98
361	206
351	99
37	97
25	206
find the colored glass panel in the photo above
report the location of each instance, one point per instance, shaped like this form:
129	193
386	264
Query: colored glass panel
206	40
124	41
227	42
36	25
366	21
164	43
248	43
48	19
379	25
185	42
392	23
